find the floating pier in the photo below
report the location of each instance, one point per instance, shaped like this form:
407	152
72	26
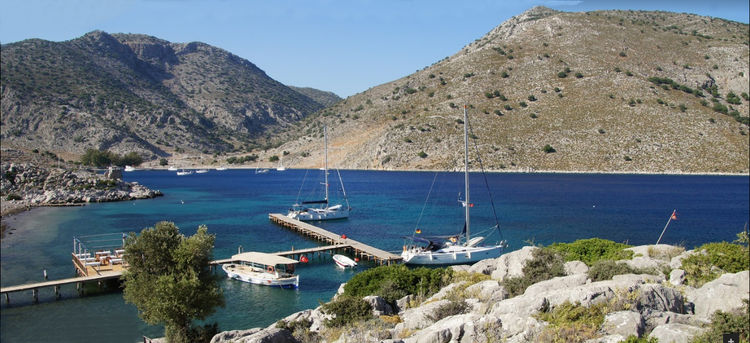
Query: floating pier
358	249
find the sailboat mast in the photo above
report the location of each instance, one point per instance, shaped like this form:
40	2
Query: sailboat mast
466	172
325	169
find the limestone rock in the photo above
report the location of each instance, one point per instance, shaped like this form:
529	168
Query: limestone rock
575	267
379	305
511	264
677	277
725	293
488	291
624	323
675	333
419	317
607	339
560	282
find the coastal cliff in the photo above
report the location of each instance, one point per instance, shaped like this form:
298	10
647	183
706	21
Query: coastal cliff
652	296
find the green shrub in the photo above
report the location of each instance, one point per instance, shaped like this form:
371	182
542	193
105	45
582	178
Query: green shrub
544	265
636	339
593	249
393	282
562	74
606	269
724	322
727	257
13	196
548	149
450	309
571	322
346	310
422	154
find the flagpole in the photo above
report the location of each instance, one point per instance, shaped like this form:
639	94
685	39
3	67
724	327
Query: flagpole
665	226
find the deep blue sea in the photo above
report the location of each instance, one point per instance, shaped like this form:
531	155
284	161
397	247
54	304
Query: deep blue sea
234	204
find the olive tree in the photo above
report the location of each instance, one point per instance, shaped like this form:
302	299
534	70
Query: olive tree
170	281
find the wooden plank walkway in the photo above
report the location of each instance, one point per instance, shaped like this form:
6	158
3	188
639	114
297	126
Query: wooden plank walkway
34	287
360	249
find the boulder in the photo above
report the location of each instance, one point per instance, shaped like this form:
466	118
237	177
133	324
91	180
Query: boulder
643	263
675	333
403	303
659	298
445	291
489	291
575	267
485	267
560	282
511	264
624	323
419	317
725	293
462	267
607	339
379	305
677	277
268	335
233	335
450	329
676	262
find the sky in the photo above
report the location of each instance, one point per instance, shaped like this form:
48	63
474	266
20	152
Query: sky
342	46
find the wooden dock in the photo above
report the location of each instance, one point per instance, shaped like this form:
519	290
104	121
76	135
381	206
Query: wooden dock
358	249
34	287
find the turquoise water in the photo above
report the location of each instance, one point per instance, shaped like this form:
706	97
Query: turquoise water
234	204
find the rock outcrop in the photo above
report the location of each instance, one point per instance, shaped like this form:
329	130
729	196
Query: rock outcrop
27	185
641	305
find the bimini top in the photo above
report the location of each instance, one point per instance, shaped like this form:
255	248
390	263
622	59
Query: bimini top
263	258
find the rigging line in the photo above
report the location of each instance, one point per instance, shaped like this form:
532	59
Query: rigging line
299	193
484	175
341	182
424	205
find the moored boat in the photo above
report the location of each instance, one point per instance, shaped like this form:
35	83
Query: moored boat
201	171
263	269
344	261
183	172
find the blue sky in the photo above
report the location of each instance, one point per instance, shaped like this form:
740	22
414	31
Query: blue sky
343	46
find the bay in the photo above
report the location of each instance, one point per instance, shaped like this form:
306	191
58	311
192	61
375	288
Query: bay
234	205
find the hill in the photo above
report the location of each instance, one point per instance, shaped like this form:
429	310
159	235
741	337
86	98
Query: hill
128	92
626	91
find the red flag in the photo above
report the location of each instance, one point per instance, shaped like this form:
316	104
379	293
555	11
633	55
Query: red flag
674	215
419	231
471	205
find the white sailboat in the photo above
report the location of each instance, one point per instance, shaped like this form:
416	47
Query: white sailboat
307	210
281	164
456	249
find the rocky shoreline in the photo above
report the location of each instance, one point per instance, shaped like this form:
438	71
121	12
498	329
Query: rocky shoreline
26	185
651	305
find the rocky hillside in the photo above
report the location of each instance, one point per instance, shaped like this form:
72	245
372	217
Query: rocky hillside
628	91
126	92
652	295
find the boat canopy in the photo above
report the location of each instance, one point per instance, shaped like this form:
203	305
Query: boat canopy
263	258
315	202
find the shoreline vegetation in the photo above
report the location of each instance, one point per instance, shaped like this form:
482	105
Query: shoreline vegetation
590	290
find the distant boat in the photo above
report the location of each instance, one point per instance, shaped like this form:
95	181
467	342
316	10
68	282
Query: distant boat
259	170
201	171
305	211
221	168
455	249
344	262
263	269
172	168
129	168
281	165
184	172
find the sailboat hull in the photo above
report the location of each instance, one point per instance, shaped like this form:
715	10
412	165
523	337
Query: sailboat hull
316	214
450	255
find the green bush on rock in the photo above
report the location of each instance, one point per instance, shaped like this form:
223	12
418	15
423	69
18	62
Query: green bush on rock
394	282
713	259
346	310
593	249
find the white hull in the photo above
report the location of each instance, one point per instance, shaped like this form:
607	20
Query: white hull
183	173
129	169
172	169
252	275
344	262
314	214
450	255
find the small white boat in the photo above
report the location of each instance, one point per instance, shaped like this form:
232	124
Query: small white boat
281	165
344	261
172	168
184	172
221	168
201	171
263	269
129	168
